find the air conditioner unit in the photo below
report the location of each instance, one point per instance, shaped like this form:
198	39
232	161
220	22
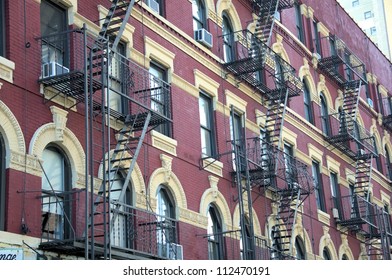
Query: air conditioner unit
203	37
370	102
335	213
361	152
154	5
53	69
175	251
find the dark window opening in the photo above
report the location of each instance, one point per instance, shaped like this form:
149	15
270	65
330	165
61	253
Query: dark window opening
199	15
318	186
214	231
206	125
308	103
2	183
299	23
300	249
228	39
2	28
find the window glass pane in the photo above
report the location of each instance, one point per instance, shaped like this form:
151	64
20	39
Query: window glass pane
228	40
198	14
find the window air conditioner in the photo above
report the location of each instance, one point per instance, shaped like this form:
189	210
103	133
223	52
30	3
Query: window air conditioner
335	213
53	69
204	37
154	5
175	251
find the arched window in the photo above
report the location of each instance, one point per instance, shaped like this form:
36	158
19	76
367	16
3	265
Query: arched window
199	15
120	235
308	103
214	231
166	226
300	248
345	257
228	39
2	183
276	252
324	115
56	184
388	163
326	254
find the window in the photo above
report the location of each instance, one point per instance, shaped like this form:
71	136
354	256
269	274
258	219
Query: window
373	30
160	95
122	227
324	115
355	3
289	164
326	254
308	103
156	5
276	250
368	14
316	38
206	125
318	186
249	242
279	72
345	257
237	137
300	248
166	233
56	184
388	163
299	23
199	15
2	183
335	192
228	39
117	78
214	231
2	28
53	20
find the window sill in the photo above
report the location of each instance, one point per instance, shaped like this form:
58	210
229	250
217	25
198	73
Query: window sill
7	68
213	166
323	217
164	143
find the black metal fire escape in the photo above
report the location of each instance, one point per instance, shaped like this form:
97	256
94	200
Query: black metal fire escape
256	64
345	133
146	105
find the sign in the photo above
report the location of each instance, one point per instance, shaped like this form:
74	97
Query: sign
11	254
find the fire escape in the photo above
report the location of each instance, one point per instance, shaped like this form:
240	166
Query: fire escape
344	133
93	72
262	163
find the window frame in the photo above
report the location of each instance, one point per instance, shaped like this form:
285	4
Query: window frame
161	6
66	188
201	22
299	23
163	128
2	182
228	39
368	14
327	253
210	128
318	186
300	248
324	114
309	116
214	232
355	3
388	163
3	37
335	192
316	39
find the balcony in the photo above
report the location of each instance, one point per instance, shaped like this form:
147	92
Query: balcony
252	61
274	169
136	233
349	136
72	62
340	63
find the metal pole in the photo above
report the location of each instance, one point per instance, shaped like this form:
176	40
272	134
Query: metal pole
86	87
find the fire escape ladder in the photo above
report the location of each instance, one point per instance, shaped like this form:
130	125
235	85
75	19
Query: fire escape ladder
288	201
351	97
265	21
106	209
243	185
363	175
115	22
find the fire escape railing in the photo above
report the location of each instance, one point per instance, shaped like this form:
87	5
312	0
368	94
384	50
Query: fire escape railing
339	62
257	64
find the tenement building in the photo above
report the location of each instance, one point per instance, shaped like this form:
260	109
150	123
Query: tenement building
192	129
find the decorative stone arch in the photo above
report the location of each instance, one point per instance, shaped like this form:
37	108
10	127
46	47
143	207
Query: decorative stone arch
57	133
256	222
326	241
164	176
300	231
138	185
344	249
279	48
12	133
305	75
322	88
228	7
213	196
